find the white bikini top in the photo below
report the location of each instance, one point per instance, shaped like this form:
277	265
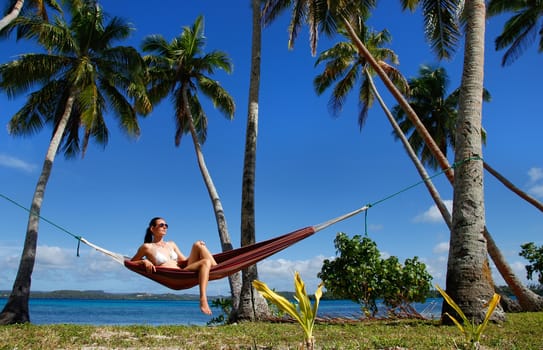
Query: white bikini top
160	258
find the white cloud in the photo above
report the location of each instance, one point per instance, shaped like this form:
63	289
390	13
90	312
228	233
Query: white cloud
440	248
375	227
433	214
60	268
278	274
9	259
519	270
536	190
54	257
535	185
437	268
535	174
12	162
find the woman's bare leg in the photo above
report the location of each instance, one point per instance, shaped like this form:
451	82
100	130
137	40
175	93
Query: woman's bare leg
201	260
199	251
203	279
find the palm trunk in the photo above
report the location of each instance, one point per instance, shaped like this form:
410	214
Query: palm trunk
220	218
252	305
524	293
513	188
527	299
411	114
16	309
413	156
467	283
14	13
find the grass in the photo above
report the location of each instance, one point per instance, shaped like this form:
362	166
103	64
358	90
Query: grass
520	331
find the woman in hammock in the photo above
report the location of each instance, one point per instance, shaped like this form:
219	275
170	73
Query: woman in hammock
157	252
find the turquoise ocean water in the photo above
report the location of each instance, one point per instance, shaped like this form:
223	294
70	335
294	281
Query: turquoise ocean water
156	312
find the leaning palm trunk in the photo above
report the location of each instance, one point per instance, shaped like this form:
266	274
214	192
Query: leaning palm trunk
413	156
16	309
252	305
497	257
513	188
15	11
528	300
226	243
411	114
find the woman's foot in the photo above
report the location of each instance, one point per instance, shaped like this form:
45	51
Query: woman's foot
204	307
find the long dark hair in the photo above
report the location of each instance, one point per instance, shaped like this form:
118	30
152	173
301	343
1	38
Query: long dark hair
148	233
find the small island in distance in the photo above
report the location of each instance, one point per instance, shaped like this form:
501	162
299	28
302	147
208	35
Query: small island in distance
99	294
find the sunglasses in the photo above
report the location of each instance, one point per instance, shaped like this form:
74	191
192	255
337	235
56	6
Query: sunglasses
162	225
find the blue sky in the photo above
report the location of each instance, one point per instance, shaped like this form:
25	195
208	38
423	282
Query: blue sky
311	166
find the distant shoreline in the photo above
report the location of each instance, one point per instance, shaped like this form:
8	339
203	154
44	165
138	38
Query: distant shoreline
99	294
102	295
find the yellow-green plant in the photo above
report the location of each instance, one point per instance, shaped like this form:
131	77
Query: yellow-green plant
303	312
471	331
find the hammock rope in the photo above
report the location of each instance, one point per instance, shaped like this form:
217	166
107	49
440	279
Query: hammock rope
234	260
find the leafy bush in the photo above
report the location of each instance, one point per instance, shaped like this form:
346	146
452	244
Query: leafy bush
360	274
225	304
534	255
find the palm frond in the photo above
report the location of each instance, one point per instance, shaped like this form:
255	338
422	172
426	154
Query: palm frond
340	58
157	44
199	119
518	33
366	98
273	8
21	75
298	18
115	30
410	4
342	89
125	112
219	96
441	23
497	7
80	59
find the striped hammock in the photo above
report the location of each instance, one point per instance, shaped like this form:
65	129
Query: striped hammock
228	262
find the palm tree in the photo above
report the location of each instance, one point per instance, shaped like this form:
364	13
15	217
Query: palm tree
80	78
521	29
345	66
466	282
467	253
439	113
328	16
38	7
251	304
183	69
